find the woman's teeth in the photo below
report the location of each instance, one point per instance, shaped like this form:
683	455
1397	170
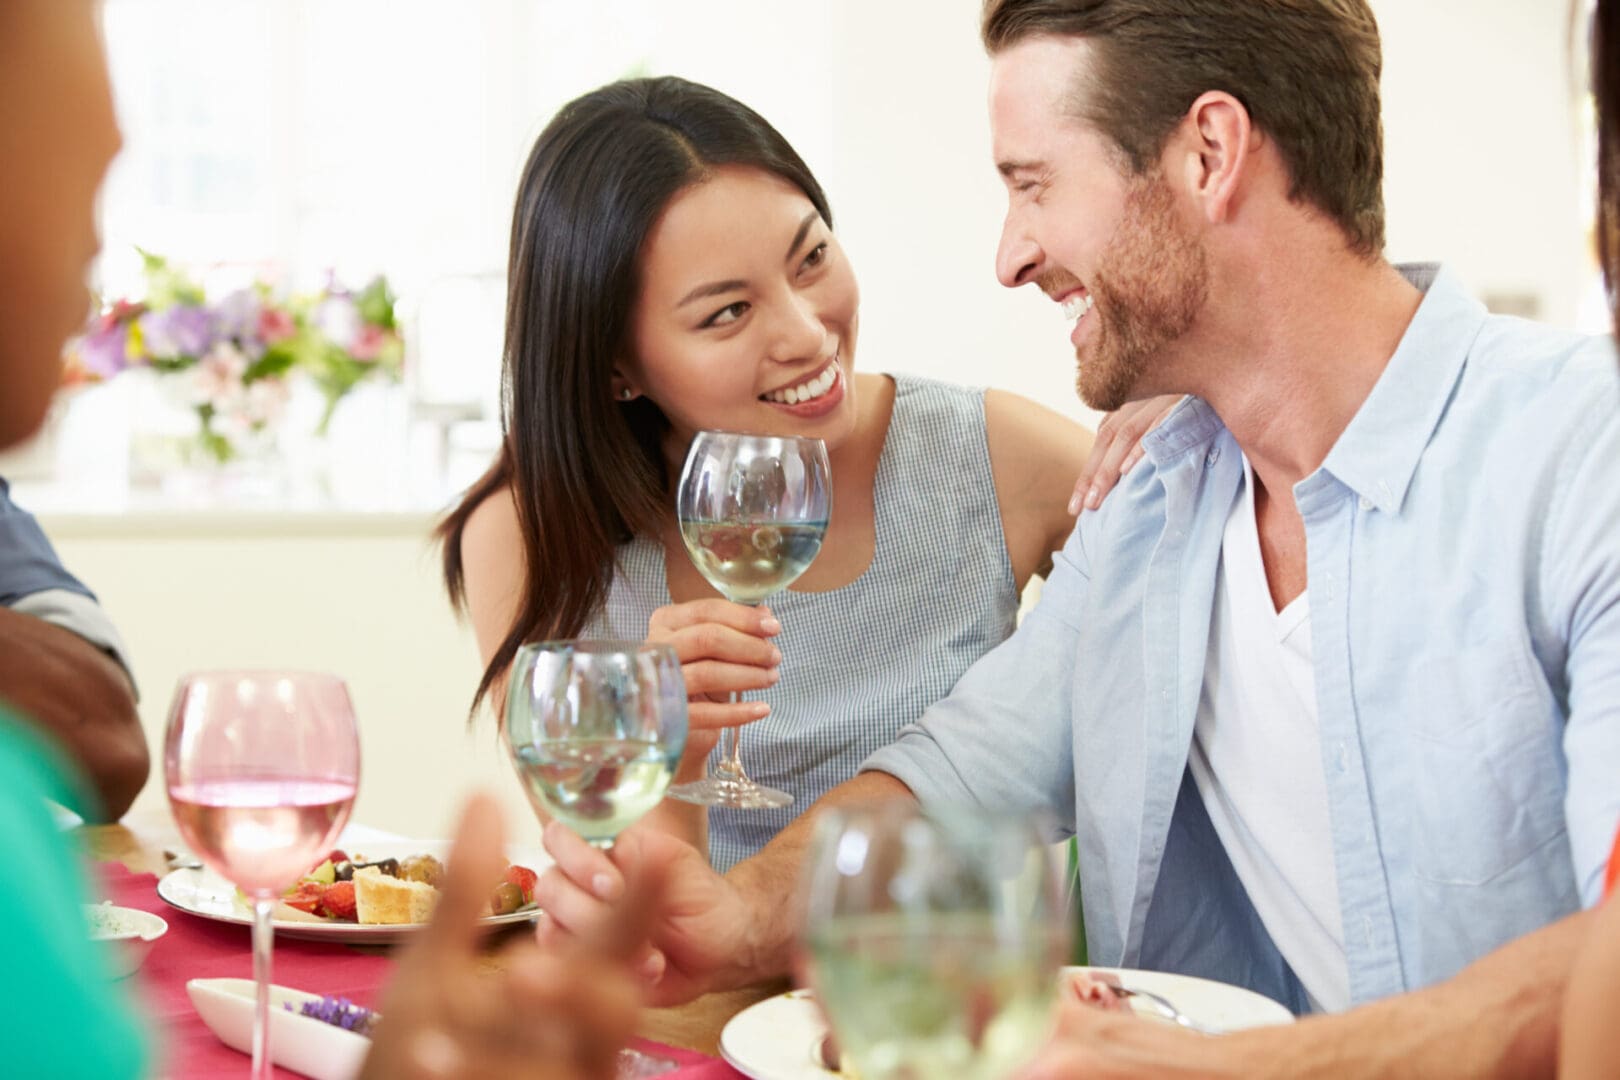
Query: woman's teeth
1076	306
797	395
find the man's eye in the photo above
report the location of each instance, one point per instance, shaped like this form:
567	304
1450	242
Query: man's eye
817	256
728	314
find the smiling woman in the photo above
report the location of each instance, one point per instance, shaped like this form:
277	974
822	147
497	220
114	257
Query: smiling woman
674	269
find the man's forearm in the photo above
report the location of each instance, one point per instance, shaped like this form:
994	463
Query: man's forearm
1496	1018
81	698
770	880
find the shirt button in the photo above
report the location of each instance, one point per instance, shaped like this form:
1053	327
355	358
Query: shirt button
1366	503
1212	457
1344	758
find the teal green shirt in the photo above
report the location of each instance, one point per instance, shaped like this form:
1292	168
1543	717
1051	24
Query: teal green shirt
61	1013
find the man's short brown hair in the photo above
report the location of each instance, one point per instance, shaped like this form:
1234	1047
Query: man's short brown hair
1307	71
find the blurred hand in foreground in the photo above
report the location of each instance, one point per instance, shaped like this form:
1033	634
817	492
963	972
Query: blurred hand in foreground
562	1011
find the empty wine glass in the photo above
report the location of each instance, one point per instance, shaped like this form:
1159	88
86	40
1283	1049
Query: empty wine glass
753	510
934	939
262	769
595	730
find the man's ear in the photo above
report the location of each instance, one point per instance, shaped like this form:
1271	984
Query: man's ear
1212	148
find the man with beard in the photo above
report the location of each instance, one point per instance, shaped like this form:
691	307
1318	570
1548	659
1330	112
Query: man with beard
1326	688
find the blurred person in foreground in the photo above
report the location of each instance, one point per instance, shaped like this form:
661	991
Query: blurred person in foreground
1590	1040
63	666
541	1014
1385	797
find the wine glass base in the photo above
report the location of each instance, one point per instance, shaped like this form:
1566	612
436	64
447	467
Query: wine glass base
739	795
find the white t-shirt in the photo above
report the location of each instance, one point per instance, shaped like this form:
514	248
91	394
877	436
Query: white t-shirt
1257	760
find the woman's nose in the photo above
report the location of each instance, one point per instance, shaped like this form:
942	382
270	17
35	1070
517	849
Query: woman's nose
800	333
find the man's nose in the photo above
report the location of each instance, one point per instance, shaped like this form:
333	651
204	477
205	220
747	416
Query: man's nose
1018	257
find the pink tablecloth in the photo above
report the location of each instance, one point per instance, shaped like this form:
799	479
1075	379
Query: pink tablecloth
196	948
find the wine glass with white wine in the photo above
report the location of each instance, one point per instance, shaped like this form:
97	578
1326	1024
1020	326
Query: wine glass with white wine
595	730
934	939
753	510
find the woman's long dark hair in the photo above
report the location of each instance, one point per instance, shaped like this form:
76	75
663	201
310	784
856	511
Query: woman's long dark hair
1606	92
587	471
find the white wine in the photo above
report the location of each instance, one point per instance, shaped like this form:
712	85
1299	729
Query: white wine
598	787
749	562
913	996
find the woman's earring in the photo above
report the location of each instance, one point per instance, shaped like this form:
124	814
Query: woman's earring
625	394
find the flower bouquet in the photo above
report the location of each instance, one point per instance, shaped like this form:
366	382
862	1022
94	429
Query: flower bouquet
229	360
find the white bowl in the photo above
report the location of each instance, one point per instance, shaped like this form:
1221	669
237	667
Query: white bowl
297	1042
129	935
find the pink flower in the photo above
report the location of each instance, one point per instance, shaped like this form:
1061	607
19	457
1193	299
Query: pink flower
275	325
217	378
369	342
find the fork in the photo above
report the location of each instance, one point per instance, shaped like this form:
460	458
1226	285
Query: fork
1160	1004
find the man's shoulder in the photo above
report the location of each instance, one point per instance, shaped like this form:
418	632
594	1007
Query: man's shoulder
1517	357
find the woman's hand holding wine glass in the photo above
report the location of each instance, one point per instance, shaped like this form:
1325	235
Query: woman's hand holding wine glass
753	510
725	649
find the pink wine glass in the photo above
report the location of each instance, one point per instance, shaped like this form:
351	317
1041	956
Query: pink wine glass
262	767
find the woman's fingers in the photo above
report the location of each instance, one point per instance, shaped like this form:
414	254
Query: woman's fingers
758	621
714	715
1118	446
716	678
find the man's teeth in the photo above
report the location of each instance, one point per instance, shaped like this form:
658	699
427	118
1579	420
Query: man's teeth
797	395
1076	306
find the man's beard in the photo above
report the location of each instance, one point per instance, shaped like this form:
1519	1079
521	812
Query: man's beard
1151	283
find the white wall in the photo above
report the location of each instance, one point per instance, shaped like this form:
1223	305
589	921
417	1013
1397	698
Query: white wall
355	595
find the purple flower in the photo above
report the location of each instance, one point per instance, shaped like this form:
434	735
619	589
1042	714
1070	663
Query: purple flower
237	316
339	1012
177	331
104	352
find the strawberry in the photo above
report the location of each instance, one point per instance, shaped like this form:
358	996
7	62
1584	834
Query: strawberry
305	896
337	855
337	901
524	879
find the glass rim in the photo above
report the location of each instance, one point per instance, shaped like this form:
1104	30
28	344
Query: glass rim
594	646
259	673
758	436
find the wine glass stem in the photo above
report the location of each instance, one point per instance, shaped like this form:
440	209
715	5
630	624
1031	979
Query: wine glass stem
730	767
262	936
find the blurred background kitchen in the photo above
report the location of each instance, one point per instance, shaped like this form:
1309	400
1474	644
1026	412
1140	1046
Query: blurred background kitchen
289	153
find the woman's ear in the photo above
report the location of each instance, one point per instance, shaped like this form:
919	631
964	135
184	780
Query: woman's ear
623	386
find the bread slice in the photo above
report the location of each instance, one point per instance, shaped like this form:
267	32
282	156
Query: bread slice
379	898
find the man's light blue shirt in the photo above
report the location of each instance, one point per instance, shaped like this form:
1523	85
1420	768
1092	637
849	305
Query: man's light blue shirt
1463	547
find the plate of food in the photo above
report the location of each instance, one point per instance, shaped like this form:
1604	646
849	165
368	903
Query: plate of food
785	1037
372	897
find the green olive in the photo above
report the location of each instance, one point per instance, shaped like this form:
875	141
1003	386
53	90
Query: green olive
507	899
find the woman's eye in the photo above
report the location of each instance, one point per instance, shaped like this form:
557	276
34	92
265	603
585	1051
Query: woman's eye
817	256
728	314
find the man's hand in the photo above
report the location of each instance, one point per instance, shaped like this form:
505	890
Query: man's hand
449	1012
82	699
701	938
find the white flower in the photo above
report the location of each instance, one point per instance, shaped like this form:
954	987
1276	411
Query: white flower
217	378
339	320
265	401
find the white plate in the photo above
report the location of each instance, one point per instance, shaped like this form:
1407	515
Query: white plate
204	893
780	1038
297	1042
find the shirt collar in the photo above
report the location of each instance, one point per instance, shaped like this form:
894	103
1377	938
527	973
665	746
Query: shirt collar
1378	452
